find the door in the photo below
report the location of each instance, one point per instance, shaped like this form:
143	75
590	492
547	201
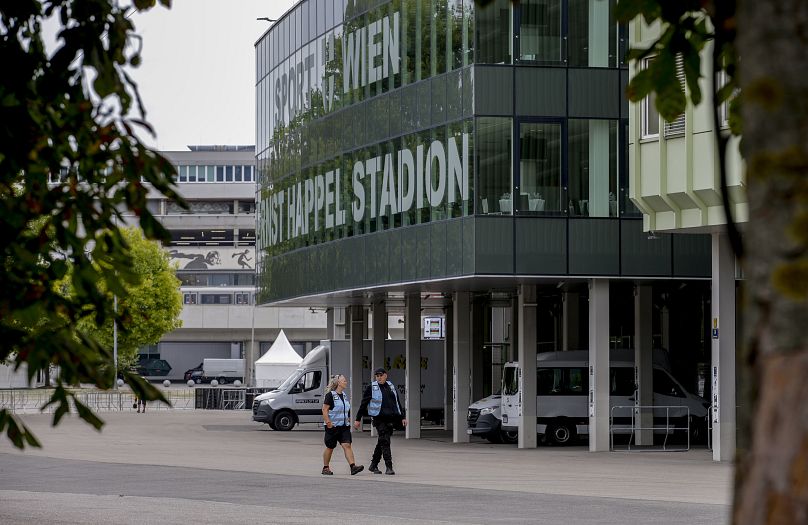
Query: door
308	396
511	402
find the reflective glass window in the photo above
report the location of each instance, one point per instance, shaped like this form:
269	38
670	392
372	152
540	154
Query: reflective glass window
593	36
492	153
493	32
539	168
540	36
592	175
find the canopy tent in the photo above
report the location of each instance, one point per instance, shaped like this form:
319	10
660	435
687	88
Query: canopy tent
277	363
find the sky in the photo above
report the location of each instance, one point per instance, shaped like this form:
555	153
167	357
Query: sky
197	78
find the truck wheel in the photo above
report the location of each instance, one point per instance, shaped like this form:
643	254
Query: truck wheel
494	437
561	433
509	437
284	421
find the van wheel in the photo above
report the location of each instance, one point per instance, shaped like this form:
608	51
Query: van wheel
222	380
509	437
561	433
698	429
284	421
198	380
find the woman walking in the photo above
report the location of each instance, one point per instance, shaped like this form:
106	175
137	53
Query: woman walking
337	419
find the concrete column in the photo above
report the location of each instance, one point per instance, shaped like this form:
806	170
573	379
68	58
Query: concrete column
329	324
412	336
723	348
448	365
379	334
461	358
357	320
379	319
598	365
513	333
477	349
643	363
571	334
527	363
666	328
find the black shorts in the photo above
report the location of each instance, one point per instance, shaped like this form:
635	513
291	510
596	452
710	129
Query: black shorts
336	435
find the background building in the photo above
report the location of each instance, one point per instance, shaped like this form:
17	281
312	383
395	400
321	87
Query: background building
675	181
213	244
445	158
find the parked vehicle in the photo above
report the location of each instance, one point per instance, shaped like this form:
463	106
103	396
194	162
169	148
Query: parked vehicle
222	370
299	398
150	367
485	420
562	399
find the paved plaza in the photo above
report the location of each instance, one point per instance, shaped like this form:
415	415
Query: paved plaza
202	466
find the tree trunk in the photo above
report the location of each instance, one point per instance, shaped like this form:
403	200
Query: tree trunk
772	474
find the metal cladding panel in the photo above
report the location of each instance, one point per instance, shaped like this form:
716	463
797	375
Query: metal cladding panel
541	92
469	245
409	252
641	255
437	244
395	255
493	90
422	252
602	102
692	255
494	245
594	247
541	246
454	247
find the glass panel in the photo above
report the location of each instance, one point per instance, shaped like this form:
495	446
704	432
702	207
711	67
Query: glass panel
494	32
191	173
493	158
540	168
540	30
592	33
183	174
592	165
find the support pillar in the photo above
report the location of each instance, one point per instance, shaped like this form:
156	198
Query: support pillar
643	363
412	336
448	365
571	321
379	314
461	358
329	324
357	320
723	348
598	365
251	355
478	361
527	363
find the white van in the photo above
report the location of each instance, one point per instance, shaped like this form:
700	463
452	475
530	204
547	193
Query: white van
562	400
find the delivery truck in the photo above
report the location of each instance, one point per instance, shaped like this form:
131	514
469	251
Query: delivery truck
222	370
299	398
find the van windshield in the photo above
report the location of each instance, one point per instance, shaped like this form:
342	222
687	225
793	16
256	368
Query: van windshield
289	381
510	381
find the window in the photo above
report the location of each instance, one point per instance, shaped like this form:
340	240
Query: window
649	115
510	381
309	382
242	298
494	30
562	381
189	298
218	298
592	168
677	127
664	385
593	33
539	168
548	381
621	381
493	152
540	31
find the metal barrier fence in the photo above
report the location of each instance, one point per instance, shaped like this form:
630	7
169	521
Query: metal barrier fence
667	429
33	401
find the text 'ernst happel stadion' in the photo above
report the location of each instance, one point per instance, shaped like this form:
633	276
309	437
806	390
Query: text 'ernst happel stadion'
429	174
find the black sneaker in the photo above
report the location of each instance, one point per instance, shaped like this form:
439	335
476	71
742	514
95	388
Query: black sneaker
327	472
375	469
356	469
389	471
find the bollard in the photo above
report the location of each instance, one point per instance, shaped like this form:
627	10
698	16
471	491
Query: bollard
236	383
191	383
166	383
214	383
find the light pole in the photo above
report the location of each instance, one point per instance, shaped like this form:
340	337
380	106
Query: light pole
115	340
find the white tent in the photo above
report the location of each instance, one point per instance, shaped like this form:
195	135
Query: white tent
277	363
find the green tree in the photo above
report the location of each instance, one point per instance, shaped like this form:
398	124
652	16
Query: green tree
70	160
150	308
759	47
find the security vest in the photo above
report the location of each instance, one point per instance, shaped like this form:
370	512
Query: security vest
339	414
375	405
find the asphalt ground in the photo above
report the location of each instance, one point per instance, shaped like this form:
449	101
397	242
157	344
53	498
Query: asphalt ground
214	466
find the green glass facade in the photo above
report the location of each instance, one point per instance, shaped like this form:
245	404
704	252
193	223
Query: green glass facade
412	140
